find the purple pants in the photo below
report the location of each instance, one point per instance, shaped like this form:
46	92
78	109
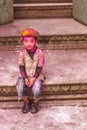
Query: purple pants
22	88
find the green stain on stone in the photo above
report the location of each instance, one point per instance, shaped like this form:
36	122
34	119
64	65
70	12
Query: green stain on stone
80	10
6	11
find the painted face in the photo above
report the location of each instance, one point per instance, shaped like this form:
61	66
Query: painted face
29	42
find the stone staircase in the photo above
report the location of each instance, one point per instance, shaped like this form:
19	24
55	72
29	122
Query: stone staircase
66	80
44	9
64	42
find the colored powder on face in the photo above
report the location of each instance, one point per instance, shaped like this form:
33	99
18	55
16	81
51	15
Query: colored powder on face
29	39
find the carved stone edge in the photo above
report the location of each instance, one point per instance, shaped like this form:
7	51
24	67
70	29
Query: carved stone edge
51	42
65	91
48	7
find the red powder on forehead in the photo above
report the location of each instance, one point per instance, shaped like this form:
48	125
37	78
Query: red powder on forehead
30	39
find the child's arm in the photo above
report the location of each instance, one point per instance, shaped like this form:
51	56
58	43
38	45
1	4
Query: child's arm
40	64
38	72
22	67
22	71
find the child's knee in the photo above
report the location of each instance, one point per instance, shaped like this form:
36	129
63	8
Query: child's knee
37	87
19	87
37	93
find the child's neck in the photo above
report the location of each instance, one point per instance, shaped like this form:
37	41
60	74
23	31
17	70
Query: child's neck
31	53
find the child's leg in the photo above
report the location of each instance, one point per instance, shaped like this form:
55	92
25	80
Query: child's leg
36	89
26	106
24	93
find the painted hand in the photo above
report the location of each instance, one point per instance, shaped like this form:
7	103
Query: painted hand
31	82
27	81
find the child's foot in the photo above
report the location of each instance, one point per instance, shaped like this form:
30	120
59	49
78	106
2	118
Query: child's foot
34	108
26	107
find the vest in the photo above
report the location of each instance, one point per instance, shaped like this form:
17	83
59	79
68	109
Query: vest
30	64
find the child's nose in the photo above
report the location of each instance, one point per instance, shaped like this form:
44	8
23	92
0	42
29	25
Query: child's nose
29	43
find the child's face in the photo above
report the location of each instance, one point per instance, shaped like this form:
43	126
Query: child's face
29	42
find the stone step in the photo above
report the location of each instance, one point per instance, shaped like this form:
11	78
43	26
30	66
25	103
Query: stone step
55	33
40	1
60	93
57	92
45	10
66	78
44	104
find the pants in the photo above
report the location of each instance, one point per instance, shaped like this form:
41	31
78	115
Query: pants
22	88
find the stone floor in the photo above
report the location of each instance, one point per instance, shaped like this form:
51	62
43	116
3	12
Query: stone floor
45	26
64	66
50	118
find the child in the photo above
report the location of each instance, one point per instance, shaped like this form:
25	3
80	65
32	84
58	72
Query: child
31	61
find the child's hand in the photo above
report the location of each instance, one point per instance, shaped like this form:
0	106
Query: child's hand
31	82
27	81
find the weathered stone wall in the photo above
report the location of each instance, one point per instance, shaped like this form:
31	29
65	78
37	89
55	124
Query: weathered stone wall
6	11
80	10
